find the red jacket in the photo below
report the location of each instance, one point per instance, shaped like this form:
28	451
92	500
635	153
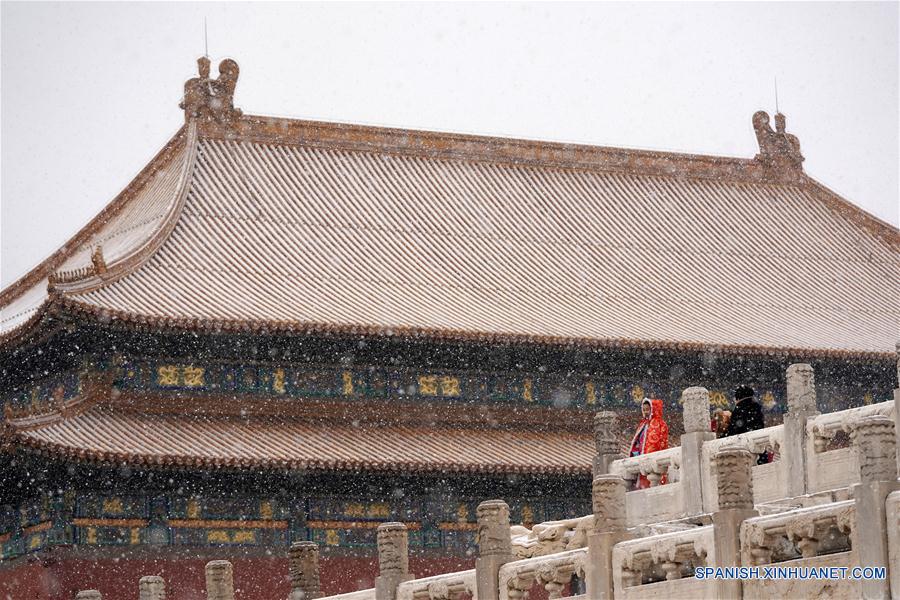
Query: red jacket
655	438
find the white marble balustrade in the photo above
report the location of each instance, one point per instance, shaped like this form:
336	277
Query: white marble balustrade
553	572
447	586
831	469
768	479
661	566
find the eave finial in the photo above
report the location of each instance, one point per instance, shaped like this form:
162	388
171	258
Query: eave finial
777	148
211	99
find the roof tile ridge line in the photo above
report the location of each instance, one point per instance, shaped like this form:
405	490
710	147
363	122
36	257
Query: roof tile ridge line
46	266
133	261
127	318
884	230
500	140
252	128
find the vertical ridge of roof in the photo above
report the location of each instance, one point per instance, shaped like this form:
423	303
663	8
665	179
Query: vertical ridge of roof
21	300
167	195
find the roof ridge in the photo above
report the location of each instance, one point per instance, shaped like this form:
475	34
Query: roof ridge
288	131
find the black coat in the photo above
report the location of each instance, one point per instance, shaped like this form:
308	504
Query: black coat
747	416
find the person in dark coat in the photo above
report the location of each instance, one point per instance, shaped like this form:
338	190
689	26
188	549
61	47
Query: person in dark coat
746	416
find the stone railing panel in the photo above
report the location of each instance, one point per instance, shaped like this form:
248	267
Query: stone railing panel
654	505
831	469
670	556
553	572
678	589
550	537
367	594
658	502
800	533
768	479
653	466
834	589
448	586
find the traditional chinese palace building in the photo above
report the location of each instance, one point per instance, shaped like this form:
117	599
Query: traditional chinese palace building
291	330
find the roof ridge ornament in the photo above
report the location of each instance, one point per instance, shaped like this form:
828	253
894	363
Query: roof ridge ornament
777	149
97	260
211	99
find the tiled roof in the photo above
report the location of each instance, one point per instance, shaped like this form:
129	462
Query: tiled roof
301	226
154	440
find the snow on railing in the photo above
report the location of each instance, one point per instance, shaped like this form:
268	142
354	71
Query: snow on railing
551	536
822	428
554	572
768	479
667	556
830	469
447	586
367	594
804	532
653	466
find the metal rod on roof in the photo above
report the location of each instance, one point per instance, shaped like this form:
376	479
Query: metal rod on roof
776	94
206	40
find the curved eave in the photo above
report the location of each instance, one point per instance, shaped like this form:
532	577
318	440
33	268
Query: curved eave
133	260
150	323
159	461
51	263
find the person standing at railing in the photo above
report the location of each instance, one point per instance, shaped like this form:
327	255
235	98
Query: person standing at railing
720	420
652	435
746	416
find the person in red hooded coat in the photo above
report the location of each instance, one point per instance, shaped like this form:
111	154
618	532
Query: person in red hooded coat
652	435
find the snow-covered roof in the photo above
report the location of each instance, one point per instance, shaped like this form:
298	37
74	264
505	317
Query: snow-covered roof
265	224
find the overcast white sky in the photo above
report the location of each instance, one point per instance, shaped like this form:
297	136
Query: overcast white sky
90	91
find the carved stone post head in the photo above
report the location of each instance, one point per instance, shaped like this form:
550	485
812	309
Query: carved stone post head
219	580
393	549
876	447
606	432
88	595
695	403
801	389
734	478
493	529
608	498
304	570
151	587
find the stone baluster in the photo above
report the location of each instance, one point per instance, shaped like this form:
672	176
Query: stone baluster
88	595
152	587
875	443
734	485
606	440
219	580
494	547
801	406
695	402
608	500
393	560
553	581
304	571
